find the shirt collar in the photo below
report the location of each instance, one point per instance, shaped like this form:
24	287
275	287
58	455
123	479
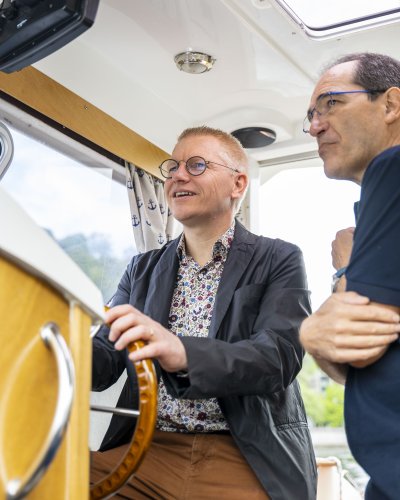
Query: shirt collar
221	246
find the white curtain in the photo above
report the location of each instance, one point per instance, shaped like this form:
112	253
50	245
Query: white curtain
152	222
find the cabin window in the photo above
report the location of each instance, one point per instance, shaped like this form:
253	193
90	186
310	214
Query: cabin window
84	208
304	207
343	17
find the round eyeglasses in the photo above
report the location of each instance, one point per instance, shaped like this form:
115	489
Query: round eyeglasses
196	165
326	103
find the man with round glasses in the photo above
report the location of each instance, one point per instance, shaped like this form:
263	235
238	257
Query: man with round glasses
354	336
195	166
219	309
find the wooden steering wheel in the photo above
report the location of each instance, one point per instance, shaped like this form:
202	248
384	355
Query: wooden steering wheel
144	430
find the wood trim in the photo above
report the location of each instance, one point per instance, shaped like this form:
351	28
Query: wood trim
36	90
29	386
78	464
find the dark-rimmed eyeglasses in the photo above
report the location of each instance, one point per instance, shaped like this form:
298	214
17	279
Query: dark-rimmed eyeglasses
326	103
196	165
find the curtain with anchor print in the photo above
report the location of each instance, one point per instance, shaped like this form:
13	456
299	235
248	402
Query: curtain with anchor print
152	222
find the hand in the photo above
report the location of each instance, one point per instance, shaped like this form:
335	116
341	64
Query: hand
341	247
128	324
347	328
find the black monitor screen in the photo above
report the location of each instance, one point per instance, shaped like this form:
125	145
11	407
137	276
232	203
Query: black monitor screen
33	29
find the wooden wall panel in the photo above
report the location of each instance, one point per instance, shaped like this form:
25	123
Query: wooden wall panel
29	386
38	91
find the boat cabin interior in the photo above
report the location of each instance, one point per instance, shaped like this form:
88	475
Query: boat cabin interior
93	95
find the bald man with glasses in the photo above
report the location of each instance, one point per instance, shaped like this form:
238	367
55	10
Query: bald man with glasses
219	310
354	336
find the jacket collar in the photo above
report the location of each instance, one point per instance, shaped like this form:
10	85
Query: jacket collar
163	279
162	284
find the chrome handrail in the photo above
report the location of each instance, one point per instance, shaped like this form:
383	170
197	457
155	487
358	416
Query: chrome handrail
18	488
123	412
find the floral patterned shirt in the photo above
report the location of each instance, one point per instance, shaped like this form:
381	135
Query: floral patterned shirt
190	315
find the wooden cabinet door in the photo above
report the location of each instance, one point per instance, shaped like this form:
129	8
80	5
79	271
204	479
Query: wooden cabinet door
29	385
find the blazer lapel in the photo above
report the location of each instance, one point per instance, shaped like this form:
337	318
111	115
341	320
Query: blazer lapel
161	286
239	257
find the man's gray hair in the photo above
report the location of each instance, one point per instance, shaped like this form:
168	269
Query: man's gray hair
373	71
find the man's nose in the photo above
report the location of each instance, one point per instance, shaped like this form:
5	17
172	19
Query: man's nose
181	173
318	124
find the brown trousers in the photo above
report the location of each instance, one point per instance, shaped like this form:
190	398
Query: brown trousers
185	467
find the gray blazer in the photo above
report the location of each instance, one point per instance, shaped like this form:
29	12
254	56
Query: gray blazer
249	361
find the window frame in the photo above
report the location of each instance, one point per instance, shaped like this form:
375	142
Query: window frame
347	27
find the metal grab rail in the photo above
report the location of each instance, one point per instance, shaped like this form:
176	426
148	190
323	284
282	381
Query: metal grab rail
18	488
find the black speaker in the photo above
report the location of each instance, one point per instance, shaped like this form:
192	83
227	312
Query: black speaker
33	29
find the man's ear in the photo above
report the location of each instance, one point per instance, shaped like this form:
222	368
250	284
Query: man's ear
241	183
392	105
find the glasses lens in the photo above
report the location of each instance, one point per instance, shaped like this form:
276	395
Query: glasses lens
196	165
325	104
168	167
306	124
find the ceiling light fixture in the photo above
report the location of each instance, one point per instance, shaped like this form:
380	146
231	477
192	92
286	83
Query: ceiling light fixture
194	62
254	137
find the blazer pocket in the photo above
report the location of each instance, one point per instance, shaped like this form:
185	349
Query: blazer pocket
247	298
244	310
254	290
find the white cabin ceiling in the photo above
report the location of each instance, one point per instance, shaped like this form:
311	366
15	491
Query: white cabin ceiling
263	76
